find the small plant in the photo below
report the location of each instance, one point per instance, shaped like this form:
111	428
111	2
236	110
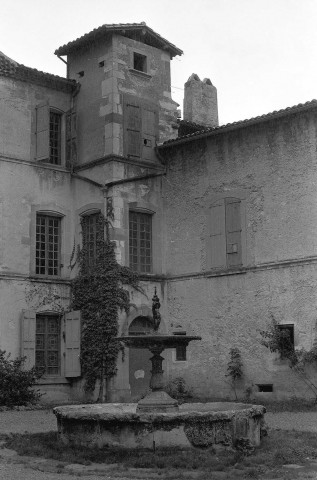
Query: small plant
16	384
279	341
235	368
178	389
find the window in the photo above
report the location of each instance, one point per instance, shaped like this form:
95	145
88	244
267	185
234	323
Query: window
181	351
48	344
225	234
55	138
139	62
52	342
140	241
140	129
286	339
53	131
90	236
48	239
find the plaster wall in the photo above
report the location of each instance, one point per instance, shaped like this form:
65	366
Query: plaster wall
17	106
274	164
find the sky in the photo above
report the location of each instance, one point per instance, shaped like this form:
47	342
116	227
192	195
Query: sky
260	54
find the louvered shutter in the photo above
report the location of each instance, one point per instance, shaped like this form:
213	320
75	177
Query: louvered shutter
71	138
216	253
149	130
233	232
72	344
42	132
28	325
133	125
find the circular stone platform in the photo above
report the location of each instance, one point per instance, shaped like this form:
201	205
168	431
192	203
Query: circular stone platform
194	425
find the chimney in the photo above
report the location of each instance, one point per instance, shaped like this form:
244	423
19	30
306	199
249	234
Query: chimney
200	102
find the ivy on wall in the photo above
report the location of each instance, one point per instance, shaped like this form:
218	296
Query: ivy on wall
98	291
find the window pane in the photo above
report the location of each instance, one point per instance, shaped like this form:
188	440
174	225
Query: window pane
140	241
47	344
47	245
55	138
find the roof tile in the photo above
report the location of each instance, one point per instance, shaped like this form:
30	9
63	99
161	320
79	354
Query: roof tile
12	69
202	131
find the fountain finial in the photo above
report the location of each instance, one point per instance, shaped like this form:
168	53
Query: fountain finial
155	310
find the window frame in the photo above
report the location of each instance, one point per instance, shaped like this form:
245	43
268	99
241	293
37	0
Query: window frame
48	316
138	264
55	114
223	200
290	327
47	217
88	215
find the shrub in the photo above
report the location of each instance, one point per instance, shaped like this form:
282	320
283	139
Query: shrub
15	383
178	389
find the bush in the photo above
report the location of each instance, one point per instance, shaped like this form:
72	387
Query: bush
178	389
15	383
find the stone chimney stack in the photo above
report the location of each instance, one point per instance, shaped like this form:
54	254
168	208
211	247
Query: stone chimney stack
200	102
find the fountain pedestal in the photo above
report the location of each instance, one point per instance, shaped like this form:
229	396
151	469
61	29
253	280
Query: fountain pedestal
157	400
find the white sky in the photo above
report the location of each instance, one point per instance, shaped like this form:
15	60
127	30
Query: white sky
260	54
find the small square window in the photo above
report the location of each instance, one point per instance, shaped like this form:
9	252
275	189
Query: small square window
181	352
139	62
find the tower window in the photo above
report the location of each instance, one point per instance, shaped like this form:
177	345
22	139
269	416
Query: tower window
55	138
139	62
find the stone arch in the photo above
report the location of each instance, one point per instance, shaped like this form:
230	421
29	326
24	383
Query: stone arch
141	311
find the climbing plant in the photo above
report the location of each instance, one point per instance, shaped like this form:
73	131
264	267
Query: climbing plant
98	291
277	340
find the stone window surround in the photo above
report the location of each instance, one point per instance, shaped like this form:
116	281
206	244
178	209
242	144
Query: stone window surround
144	53
65	237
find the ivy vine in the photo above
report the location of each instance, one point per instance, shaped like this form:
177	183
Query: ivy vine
98	291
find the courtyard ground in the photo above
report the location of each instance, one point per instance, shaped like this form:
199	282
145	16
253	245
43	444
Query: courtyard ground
283	427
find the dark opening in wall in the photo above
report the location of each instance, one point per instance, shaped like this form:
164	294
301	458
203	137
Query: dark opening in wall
139	62
265	387
81	73
101	64
181	353
287	339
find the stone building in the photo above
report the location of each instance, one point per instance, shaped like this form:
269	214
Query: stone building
219	218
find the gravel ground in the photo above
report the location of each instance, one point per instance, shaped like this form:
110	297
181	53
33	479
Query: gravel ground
44	420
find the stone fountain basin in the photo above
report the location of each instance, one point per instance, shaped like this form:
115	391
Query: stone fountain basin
198	425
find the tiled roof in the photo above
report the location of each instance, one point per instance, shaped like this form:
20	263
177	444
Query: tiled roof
136	31
209	131
10	68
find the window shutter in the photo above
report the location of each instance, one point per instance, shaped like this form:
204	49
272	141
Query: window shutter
216	253
233	232
133	129
28	338
149	130
42	132
72	344
71	138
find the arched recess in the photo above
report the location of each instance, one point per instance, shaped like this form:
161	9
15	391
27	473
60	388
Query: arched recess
139	358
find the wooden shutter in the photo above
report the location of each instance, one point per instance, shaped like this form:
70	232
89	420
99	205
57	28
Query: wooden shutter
233	232
216	253
149	130
72	344
71	138
28	326
133	125
42	132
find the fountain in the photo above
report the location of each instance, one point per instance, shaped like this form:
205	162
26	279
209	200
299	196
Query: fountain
157	420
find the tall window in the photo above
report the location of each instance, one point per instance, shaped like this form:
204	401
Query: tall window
55	138
47	344
225	233
90	224
48	239
140	242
